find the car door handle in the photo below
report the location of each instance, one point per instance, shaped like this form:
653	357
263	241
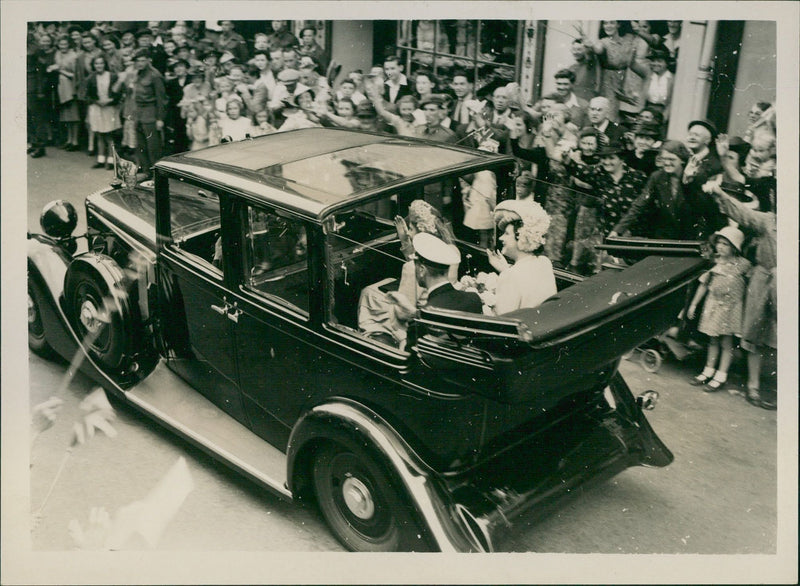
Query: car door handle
234	312
221	310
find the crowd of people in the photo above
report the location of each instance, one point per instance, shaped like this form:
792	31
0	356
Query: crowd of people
593	153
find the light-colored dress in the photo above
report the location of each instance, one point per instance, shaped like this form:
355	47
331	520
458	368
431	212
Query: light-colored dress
614	62
236	129
525	284
68	107
103	119
480	200
722	312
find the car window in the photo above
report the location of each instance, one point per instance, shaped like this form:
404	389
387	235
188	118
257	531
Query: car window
195	221
276	257
363	254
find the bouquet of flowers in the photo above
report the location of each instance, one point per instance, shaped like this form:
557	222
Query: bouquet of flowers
485	285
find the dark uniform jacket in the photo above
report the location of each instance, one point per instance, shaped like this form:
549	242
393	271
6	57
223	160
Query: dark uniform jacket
149	96
448	297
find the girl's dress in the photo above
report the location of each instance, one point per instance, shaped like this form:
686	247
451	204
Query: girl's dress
760	324
722	312
236	129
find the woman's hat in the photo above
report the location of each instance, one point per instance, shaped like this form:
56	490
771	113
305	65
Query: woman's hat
707	124
677	148
614	148
535	222
647	129
732	235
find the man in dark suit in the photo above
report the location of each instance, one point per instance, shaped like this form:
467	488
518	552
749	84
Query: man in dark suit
433	260
609	132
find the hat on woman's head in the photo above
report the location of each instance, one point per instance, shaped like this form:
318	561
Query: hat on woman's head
707	124
677	148
535	222
732	235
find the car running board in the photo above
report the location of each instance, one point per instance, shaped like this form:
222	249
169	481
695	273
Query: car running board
167	398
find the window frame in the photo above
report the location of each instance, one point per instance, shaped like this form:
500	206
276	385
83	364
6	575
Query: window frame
406	45
272	300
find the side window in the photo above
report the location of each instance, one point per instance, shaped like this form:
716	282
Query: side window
195	222
276	257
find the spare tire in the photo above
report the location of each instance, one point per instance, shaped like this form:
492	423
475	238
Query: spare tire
99	308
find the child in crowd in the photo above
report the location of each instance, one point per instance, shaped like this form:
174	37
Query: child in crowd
260	124
721	318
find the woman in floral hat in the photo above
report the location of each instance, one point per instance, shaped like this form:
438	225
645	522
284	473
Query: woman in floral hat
530	280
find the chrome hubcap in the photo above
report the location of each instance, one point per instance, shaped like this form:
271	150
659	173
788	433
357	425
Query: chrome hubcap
90	317
358	498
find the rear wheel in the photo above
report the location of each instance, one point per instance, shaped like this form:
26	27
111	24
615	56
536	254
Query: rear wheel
36	335
358	501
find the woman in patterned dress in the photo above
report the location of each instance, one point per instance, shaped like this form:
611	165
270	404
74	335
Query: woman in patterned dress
615	53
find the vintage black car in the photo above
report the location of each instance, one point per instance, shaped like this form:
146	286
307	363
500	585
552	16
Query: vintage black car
223	301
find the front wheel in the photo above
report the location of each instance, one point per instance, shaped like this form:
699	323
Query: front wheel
360	504
100	324
36	336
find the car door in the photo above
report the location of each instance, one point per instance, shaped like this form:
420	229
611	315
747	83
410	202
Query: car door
274	340
199	314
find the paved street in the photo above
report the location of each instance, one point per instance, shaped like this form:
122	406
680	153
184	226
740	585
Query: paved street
718	497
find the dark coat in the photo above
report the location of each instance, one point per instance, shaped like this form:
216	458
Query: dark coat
404	90
657	213
91	89
448	297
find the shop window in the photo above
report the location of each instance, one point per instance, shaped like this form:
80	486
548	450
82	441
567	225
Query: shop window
486	49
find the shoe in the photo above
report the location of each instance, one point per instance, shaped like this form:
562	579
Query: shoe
110	166
714	385
98	165
755	398
91	153
71	147
38	153
700	379
31	149
65	146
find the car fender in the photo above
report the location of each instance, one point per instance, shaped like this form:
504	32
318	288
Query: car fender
342	418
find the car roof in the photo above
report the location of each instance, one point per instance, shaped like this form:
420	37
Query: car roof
315	170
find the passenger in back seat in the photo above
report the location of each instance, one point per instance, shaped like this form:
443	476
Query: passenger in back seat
422	217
